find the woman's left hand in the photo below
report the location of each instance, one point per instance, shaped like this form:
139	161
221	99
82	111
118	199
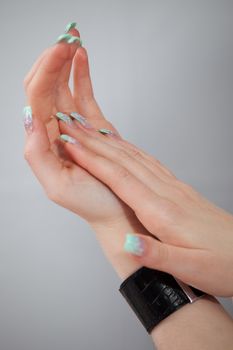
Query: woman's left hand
195	238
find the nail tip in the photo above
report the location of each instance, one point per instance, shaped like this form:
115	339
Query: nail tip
70	26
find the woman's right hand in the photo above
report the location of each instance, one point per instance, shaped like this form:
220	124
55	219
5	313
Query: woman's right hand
195	238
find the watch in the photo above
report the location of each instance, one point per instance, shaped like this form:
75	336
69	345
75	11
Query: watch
154	295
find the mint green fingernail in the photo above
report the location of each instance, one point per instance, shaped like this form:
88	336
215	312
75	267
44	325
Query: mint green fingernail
134	244
75	39
63	37
65	118
82	120
69	139
105	131
70	26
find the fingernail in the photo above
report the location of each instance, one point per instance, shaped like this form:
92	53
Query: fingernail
105	131
27	119
65	118
134	244
63	37
69	139
82	120
70	26
74	39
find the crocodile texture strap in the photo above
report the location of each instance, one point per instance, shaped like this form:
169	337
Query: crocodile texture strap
154	295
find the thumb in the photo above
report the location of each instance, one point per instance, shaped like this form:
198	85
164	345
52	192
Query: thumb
178	261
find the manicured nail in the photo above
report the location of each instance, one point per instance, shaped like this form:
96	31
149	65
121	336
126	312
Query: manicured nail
69	139
70	26
27	119
74	39
65	118
134	244
82	120
105	131
63	37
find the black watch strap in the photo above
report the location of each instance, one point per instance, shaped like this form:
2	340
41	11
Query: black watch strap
154	295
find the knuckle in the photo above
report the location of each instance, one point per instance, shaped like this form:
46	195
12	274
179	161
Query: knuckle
162	216
53	195
135	153
162	254
157	255
28	154
184	190
121	154
169	211
122	173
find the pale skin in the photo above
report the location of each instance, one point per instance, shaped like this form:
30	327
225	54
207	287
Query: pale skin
118	188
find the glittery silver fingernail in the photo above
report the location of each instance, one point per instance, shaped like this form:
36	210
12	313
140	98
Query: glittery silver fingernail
65	118
82	120
27	119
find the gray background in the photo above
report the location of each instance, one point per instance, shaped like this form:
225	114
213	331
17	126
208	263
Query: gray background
162	72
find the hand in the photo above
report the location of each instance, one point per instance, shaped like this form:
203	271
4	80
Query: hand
47	89
194	238
66	183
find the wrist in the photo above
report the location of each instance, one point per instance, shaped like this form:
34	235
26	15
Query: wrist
111	236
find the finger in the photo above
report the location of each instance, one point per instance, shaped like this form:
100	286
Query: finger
82	80
41	89
34	68
151	209
123	159
151	161
64	98
83	92
183	263
41	159
116	141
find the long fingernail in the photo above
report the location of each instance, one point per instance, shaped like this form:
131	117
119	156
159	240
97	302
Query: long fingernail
82	120
108	133
65	118
64	37
70	39
134	244
70	26
27	119
105	131
75	39
69	139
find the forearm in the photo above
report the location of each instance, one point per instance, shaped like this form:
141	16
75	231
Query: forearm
201	325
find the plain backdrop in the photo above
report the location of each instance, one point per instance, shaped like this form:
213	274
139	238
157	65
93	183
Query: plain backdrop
163	74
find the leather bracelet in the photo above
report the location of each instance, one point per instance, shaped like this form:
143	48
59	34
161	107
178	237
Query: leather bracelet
154	295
